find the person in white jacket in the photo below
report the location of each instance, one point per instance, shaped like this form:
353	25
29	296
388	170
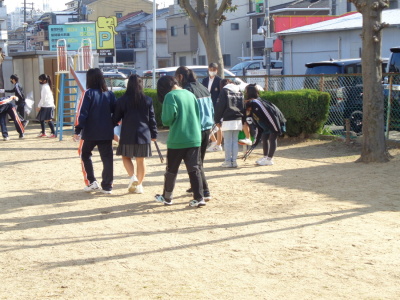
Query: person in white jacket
46	106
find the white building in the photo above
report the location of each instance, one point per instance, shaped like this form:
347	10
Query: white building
337	39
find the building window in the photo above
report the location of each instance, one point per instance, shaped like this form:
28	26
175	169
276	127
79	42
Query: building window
260	22
202	60
182	60
194	61
118	15
234	26
174	32
185	29
227	59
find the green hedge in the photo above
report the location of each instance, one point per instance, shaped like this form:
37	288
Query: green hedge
157	105
306	111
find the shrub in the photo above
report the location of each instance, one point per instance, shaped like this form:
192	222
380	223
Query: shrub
306	111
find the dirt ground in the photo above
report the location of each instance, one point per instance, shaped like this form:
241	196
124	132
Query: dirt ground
315	225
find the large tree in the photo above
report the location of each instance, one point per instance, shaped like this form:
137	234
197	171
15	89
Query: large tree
374	144
207	16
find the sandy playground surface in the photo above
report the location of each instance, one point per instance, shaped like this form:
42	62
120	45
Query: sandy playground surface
315	225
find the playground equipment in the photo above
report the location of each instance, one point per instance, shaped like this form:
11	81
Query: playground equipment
70	84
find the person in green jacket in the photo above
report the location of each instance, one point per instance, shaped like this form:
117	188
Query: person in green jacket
180	112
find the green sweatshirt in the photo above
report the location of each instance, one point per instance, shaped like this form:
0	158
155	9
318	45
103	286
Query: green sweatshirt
181	113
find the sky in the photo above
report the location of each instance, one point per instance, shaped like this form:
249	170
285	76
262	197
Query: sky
56	4
37	4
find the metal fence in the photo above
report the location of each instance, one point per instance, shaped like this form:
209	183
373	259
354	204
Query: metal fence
346	93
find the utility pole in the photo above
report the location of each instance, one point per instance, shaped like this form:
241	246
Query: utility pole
24	26
267	38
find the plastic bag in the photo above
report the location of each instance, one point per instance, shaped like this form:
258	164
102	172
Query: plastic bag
28	106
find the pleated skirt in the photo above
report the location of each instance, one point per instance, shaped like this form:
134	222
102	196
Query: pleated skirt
134	150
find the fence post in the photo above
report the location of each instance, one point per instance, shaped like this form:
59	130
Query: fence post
347	122
266	83
389	106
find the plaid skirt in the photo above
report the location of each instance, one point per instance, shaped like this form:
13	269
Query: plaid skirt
45	113
134	150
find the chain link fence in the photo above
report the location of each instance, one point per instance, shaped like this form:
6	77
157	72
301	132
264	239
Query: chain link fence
346	93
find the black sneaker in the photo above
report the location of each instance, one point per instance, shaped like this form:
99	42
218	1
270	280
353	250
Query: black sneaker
190	191
21	136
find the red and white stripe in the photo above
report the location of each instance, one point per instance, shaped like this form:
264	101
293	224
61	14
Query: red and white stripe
85	179
18	120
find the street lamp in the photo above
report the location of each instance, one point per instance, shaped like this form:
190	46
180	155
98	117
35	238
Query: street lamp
24	25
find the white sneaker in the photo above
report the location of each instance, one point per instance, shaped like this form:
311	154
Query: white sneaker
246	142
260	159
265	162
226	164
106	192
133	183
215	148
93	187
139	189
6	138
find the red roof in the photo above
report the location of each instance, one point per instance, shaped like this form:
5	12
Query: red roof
130	15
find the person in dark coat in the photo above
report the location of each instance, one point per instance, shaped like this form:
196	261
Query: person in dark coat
139	128
95	128
213	84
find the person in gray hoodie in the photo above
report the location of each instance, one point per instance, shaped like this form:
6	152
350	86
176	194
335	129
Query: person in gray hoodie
187	80
230	108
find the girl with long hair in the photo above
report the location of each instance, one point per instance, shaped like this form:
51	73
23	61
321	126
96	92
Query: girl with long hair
139	128
46	106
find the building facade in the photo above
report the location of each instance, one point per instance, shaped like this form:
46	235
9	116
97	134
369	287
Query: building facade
90	10
334	39
135	39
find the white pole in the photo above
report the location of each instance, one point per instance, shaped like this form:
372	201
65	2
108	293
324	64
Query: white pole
251	39
154	42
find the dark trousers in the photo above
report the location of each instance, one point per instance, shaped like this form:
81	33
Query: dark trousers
270	142
205	136
21	110
106	154
12	112
191	157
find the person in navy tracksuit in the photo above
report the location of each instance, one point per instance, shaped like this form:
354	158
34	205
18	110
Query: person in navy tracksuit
20	102
6	107
95	128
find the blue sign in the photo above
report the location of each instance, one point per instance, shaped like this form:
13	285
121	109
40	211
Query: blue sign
73	34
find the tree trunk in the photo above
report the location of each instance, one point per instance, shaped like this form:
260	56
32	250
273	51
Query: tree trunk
209	31
374	143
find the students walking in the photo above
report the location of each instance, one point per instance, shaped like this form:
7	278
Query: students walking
181	113
95	128
139	128
46	106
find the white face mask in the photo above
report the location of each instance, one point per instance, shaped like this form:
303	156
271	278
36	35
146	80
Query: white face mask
212	74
